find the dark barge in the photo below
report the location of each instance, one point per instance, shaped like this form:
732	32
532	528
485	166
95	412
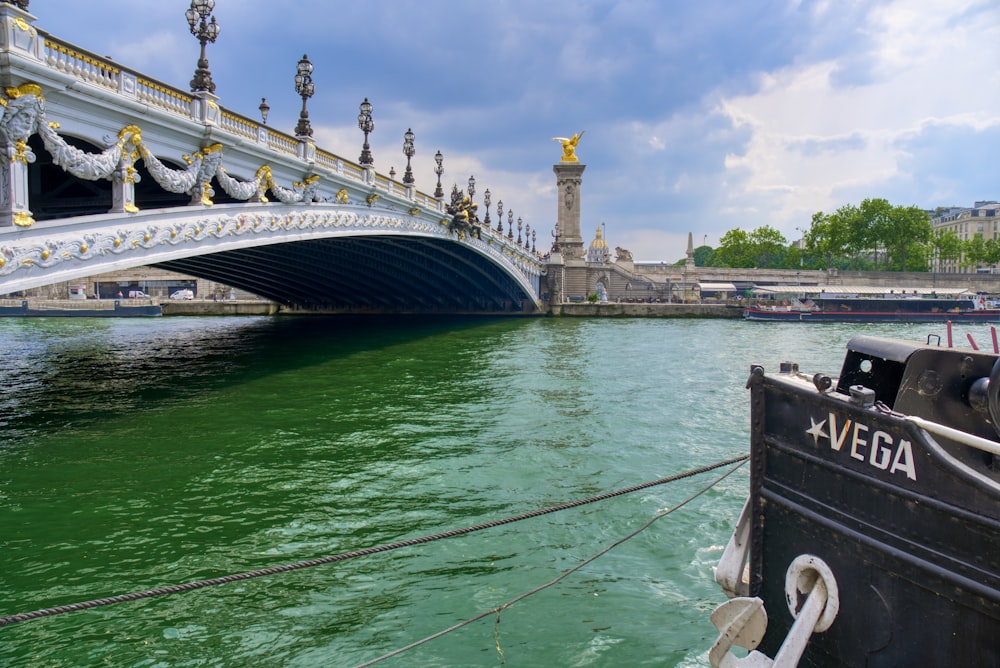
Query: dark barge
885	485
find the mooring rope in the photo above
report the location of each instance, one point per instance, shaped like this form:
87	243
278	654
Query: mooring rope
520	597
344	556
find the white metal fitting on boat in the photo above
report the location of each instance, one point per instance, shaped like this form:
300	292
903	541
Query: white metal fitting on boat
742	621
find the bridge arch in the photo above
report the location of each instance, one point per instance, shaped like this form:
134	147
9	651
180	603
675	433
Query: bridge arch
321	257
251	207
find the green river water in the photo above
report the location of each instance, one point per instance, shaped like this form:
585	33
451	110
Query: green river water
138	453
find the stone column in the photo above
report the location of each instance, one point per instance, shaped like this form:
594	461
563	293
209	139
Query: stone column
569	177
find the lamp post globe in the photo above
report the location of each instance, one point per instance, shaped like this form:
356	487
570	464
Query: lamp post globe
367	125
409	151
439	170
305	88
204	27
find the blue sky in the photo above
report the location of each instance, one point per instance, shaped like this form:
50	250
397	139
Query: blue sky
700	116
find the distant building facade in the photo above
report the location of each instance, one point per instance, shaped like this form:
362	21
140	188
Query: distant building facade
982	218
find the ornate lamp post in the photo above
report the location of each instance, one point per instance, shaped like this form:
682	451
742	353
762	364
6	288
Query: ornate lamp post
367	125
206	31
486	204
264	109
533	242
409	152
439	170
510	223
519	227
305	88
472	187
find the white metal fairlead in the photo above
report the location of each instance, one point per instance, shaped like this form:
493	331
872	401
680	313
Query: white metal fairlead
742	621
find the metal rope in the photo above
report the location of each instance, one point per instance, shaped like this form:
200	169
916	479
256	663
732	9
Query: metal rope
344	556
520	597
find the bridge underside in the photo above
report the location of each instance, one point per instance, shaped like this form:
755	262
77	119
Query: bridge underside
367	274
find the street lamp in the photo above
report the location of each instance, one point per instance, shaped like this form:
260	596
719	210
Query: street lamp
206	31
367	125
439	170
409	152
304	87
500	217
472	187
264	109
486	203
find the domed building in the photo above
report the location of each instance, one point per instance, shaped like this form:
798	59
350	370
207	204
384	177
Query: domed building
599	251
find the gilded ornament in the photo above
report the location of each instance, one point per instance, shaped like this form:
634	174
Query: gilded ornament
23	219
23	25
46	254
2	262
569	146
342	196
414	211
118	242
25	89
83	248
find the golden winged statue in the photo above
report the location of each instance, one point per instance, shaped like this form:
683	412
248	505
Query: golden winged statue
569	146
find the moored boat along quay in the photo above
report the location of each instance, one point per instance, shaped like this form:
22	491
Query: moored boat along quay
646	310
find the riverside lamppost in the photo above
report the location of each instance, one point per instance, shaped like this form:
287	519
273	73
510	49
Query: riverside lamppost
472	187
206	31
486	204
519	227
264	108
367	125
305	88
409	152
439	170
500	217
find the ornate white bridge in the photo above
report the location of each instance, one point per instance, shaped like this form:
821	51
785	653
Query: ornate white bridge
107	170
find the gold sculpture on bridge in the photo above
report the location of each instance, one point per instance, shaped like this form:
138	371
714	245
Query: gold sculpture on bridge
569	146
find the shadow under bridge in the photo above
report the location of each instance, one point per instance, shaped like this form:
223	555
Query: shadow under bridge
377	273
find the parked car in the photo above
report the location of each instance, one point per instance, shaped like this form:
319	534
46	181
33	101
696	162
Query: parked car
182	294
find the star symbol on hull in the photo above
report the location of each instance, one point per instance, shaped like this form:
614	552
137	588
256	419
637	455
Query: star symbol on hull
817	430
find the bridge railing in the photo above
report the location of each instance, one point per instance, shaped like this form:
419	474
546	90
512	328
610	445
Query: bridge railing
91	68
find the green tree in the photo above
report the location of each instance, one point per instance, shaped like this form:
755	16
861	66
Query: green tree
703	256
907	234
734	250
837	238
875	226
768	247
992	255
948	245
974	251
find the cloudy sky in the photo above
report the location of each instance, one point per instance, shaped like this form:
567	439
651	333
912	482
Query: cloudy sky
700	116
